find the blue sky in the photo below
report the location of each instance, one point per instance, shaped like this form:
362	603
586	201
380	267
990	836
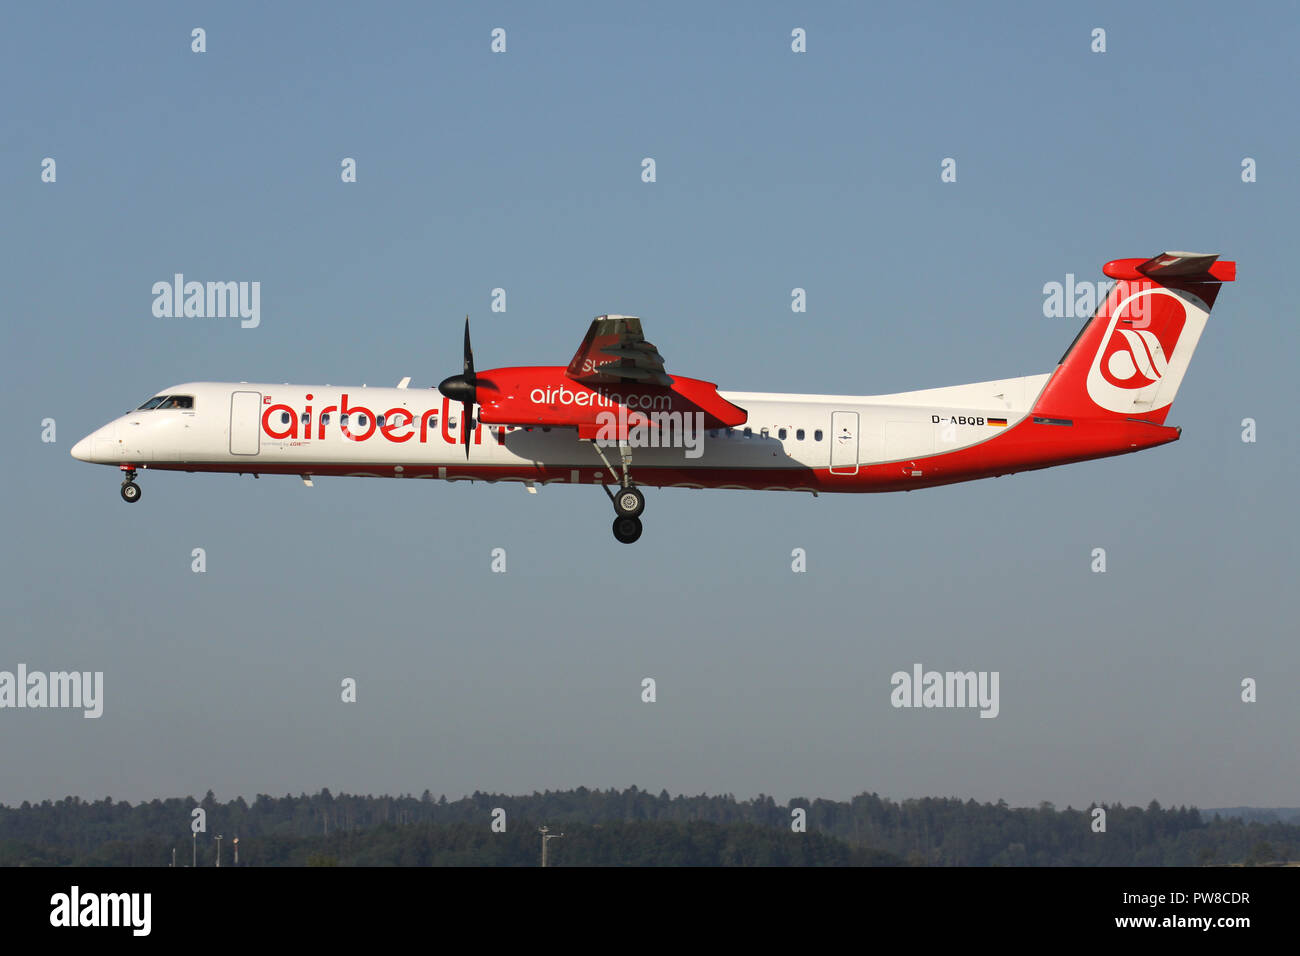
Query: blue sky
521	170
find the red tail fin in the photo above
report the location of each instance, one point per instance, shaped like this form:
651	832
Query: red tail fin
1132	354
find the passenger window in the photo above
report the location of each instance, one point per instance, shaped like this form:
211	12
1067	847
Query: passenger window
284	418
780	433
799	434
763	432
817	435
361	421
379	420
325	419
748	432
343	420
306	419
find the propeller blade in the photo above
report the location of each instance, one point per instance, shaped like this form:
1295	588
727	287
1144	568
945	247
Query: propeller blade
469	355
468	406
463	388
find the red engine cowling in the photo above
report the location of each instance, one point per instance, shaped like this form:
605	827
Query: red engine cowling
546	395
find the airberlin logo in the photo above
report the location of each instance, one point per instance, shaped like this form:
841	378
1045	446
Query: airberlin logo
600	398
1138	350
359	423
1136	359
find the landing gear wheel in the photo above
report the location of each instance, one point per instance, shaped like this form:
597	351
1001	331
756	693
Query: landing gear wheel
627	528
629	502
130	492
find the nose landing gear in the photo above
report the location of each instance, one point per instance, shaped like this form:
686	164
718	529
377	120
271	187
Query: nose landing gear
130	490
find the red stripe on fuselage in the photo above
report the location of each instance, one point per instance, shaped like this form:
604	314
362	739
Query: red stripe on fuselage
1023	447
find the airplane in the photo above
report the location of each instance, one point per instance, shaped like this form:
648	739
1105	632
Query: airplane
614	412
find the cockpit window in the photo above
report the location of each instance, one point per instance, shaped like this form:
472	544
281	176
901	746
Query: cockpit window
168	401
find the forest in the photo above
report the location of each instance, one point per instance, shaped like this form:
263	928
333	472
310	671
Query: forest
630	827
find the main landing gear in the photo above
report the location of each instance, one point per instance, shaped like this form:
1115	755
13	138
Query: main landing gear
627	529
629	502
628	505
130	490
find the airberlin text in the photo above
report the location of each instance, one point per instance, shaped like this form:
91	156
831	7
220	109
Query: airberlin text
601	398
359	423
355	422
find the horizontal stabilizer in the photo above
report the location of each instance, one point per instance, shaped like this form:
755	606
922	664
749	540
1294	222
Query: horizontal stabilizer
1185	266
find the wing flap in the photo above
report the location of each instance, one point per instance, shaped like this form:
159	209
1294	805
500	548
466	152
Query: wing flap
615	350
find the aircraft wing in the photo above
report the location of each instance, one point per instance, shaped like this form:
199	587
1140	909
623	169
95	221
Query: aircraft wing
614	351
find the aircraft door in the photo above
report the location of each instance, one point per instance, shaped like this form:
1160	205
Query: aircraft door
245	423
844	443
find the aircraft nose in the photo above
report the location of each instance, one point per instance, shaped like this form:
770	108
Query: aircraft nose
81	450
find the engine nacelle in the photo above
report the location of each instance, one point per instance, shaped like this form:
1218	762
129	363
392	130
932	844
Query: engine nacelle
546	395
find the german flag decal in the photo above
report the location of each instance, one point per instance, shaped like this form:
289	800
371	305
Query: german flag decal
999	422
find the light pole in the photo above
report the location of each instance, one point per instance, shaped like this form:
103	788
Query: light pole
547	835
194	862
236	841
218	851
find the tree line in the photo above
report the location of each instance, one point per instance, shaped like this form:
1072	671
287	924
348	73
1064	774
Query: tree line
627	827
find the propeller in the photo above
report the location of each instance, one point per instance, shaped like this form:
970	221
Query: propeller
463	388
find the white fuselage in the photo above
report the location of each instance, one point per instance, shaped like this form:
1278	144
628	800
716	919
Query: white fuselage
297	429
